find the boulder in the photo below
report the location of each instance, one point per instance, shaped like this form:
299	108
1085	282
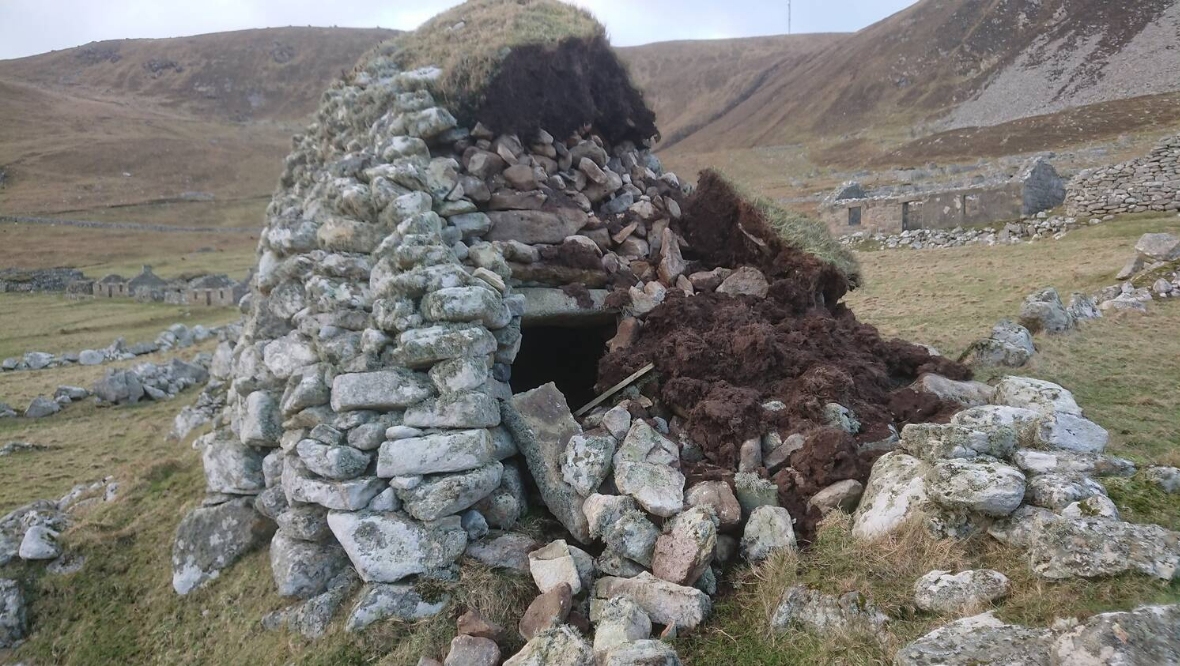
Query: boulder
387	547
505	551
472	651
968	394
1166	479
665	603
617	621
658	488
1043	311
770	528
557	647
967	591
1036	395
895	493
719	498
1146	635
542	425
1071	432
992	489
210	539
1061	548
685	550
40	407
1056	491
553	566
753	491
934	442
587	462
40	543
745	281
384	391
842	495
231	468
1158	247
547	611
632	536
981	640
820	613
641	653
445	452
13	614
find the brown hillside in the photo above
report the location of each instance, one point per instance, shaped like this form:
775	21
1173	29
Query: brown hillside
276	73
690	84
136	121
913	71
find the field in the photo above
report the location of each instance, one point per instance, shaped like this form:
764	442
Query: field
120	607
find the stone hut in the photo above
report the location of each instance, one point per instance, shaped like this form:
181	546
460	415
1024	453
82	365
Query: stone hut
440	288
1037	187
215	291
111	286
147	286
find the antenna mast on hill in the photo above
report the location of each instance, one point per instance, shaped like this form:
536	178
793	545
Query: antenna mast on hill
788	17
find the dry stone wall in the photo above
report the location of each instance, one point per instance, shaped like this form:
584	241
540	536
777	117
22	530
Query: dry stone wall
1150	183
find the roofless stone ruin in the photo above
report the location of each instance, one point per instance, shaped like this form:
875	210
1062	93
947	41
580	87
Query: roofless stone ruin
472	241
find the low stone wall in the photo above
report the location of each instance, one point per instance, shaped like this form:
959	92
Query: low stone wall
14	280
1150	183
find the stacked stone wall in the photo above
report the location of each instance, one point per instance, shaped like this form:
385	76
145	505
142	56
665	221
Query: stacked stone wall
366	390
1147	184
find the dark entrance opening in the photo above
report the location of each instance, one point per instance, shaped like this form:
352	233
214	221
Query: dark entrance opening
565	356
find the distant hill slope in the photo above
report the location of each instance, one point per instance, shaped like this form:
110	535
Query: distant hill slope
135	121
275	73
944	64
691	84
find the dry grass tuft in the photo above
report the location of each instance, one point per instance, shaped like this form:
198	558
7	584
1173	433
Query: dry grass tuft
470	57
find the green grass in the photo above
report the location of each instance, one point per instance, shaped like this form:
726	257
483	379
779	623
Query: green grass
470	58
56	324
121	609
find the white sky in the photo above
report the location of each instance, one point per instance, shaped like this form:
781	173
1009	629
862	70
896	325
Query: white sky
28	27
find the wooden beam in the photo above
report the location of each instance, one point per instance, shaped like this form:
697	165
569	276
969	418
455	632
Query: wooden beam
615	389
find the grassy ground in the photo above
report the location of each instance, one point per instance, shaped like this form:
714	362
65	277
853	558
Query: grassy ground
55	324
97	252
120	608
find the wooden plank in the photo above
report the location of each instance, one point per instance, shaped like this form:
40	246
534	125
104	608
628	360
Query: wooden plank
615	389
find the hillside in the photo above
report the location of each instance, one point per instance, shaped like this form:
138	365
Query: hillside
691	84
130	122
946	64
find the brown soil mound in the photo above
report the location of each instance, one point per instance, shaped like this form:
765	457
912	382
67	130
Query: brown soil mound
579	82
721	357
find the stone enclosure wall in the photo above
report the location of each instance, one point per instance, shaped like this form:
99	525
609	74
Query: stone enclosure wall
1150	183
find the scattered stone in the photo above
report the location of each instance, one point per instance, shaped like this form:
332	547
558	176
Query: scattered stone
1166	479
642	653
587	462
685	550
548	611
379	602
842	495
822	613
618	620
557	647
967	591
665	603
978	641
41	407
770	528
472	623
13	615
553	566
210	539
718	497
472	651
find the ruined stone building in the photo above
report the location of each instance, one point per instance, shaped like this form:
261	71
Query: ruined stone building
1035	188
1147	184
206	291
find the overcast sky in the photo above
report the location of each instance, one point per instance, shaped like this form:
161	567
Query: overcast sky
28	27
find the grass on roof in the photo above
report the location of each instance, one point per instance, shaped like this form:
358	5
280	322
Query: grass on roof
470	56
801	232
